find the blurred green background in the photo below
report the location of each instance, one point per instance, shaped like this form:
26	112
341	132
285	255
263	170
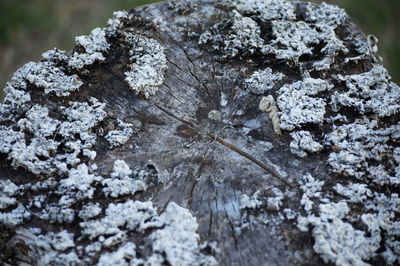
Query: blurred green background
380	18
30	27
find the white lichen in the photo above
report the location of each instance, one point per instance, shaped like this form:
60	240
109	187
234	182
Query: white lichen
272	202
174	234
299	103
46	76
354	192
27	154
251	202
120	169
125	255
79	185
54	213
123	181
7	192
311	189
89	211
51	248
14	99
8	138
266	9
94	45
326	15
56	56
95	42
148	64
178	238
370	91
243	36
351	223
120	135
292	40
41	153
358	146
52	79
303	142
116	22
15	217
262	81
336	240
131	215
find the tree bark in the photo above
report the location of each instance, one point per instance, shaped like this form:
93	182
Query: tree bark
200	140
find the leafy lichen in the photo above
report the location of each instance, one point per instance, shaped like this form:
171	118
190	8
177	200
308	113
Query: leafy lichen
243	35
148	64
299	103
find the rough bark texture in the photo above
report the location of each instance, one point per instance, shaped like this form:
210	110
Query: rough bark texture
181	84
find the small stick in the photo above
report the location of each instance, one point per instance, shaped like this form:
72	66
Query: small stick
264	166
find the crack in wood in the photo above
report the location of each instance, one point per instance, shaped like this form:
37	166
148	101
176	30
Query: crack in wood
197	177
269	169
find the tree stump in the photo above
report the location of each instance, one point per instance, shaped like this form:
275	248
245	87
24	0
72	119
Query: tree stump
232	132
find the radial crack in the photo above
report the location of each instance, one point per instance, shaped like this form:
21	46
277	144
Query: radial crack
266	167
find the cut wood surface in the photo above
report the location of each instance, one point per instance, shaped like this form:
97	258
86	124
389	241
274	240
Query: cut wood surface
151	143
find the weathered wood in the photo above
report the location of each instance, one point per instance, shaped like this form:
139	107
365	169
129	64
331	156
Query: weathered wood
199	140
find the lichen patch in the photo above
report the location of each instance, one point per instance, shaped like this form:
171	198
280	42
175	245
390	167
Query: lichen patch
148	64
